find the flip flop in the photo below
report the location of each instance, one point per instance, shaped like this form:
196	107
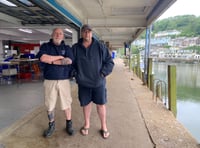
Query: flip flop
104	134
84	131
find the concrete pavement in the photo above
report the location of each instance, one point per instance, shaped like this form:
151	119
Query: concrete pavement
134	119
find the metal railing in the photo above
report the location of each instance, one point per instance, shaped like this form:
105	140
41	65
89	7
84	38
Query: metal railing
158	90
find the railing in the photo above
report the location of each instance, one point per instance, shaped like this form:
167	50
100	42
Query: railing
170	101
158	90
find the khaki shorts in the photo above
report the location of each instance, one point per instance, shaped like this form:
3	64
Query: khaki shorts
57	89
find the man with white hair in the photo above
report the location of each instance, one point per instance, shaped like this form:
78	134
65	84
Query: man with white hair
56	58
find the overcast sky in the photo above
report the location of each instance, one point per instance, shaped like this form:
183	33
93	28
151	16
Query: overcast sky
182	7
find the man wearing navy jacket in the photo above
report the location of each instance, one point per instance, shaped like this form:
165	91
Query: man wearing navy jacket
92	63
56	58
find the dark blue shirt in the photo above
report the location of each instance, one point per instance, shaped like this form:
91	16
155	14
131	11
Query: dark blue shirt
52	71
92	64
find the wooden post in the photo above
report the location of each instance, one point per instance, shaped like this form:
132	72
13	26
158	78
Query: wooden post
172	88
151	82
143	78
158	91
140	71
149	71
138	65
133	63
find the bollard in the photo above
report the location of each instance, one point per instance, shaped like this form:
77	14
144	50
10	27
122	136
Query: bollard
158	91
140	74
134	69
138	65
172	88
151	82
149	71
143	77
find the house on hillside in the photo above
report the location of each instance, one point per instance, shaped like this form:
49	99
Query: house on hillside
167	33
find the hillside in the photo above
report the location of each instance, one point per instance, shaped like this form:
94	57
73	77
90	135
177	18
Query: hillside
188	25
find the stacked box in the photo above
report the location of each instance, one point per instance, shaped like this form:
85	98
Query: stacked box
9	72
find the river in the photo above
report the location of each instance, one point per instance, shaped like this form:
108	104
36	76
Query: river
188	93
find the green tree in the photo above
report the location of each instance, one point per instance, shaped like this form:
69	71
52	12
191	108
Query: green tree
188	25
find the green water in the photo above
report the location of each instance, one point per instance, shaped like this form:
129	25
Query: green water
188	93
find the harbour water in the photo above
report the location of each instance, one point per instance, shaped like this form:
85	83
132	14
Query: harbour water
188	93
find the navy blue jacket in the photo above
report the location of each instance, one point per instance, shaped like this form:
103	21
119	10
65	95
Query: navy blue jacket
93	64
52	71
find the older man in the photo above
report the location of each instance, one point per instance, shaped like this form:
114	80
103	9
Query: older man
57	58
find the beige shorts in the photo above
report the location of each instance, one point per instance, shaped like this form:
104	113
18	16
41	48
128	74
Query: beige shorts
57	89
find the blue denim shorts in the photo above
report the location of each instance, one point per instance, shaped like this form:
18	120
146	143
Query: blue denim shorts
98	95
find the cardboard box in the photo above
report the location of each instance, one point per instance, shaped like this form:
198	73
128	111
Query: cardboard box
9	72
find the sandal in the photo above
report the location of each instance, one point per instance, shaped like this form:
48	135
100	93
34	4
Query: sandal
104	134
84	131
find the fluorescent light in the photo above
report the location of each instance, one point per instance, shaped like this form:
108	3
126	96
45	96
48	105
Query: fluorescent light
27	3
5	2
68	30
6	46
25	30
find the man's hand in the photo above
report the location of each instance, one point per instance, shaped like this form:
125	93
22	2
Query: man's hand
50	59
66	61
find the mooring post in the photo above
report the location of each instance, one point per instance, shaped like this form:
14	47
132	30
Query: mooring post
172	88
151	82
149	71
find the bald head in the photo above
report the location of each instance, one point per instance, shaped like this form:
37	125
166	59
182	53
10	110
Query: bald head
57	36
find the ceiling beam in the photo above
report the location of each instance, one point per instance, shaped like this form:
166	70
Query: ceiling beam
116	22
